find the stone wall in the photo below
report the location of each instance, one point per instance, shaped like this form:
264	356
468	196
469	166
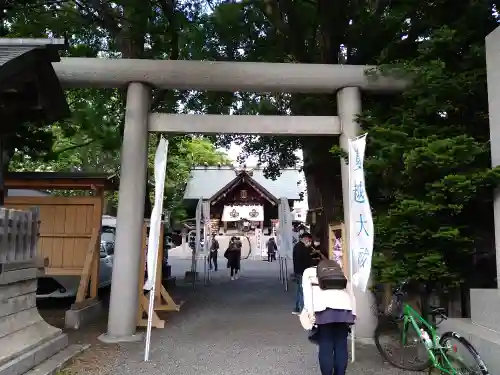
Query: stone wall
25	338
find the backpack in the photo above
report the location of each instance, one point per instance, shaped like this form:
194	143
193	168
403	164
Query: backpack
330	275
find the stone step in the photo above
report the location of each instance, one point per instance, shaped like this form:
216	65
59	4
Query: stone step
21	363
485	340
55	363
26	339
485	307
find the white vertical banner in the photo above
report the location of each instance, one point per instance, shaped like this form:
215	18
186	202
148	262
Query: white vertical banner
360	217
198	218
258	243
206	225
160	170
285	231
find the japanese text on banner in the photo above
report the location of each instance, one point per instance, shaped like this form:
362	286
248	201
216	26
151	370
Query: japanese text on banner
360	216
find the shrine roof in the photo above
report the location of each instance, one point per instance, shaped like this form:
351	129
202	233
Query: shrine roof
206	181
29	88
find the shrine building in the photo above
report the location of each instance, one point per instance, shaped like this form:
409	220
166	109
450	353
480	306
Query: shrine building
241	199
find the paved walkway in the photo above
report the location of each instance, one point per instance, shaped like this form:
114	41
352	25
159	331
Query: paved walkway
241	327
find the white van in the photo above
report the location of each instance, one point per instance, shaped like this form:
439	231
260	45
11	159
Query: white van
67	286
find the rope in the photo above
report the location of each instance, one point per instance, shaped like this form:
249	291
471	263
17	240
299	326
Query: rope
249	247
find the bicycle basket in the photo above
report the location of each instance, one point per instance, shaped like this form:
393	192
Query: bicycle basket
395	307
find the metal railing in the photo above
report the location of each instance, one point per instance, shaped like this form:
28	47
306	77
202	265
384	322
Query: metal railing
284	271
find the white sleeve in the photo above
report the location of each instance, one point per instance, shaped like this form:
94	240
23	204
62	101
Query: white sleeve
307	291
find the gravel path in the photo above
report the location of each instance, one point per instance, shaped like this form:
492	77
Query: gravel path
235	327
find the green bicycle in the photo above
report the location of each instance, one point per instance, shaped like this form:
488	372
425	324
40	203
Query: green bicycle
418	344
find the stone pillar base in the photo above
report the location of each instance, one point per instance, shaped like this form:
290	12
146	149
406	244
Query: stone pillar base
26	340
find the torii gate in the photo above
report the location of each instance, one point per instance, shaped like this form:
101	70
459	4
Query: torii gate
140	76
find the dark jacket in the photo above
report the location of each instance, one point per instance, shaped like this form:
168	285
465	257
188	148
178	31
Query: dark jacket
233	255
301	258
214	246
271	246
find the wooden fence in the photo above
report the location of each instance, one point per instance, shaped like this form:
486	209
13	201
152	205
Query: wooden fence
69	237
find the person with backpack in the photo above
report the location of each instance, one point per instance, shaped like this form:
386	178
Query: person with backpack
302	260
214	253
329	312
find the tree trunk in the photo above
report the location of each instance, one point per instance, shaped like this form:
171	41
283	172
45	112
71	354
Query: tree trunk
324	186
321	168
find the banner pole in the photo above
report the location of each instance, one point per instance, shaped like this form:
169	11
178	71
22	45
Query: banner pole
150	316
154	234
351	258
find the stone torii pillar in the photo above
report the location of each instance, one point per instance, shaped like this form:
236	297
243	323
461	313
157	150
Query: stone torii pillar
348	108
130	217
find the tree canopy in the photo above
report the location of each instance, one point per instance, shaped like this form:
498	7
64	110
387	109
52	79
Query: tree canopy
428	167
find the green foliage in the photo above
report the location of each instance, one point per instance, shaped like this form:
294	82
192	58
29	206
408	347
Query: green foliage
429	179
429	175
90	140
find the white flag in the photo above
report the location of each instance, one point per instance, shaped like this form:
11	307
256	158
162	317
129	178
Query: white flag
155	222
285	235
360	220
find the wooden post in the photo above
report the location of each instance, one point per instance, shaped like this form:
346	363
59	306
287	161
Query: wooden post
87	267
97	221
163	300
159	265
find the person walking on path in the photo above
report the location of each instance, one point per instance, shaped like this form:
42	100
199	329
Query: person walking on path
214	253
271	249
328	314
301	261
233	256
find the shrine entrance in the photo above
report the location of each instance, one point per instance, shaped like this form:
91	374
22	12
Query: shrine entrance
140	76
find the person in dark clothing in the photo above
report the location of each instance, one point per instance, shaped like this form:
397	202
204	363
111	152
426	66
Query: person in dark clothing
233	255
316	253
271	249
214	253
302	260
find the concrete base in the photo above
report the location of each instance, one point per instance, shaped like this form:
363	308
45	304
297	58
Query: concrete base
485	308
483	329
366	321
78	316
107	339
191	276
486	341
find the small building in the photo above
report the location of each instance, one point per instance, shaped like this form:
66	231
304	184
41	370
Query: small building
241	198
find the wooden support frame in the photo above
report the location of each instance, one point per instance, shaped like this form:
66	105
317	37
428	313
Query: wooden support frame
88	268
163	300
337	231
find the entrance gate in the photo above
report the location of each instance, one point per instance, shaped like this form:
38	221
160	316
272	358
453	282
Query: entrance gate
140	76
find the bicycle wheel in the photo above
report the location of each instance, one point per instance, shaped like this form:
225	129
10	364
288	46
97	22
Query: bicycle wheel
463	357
411	355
